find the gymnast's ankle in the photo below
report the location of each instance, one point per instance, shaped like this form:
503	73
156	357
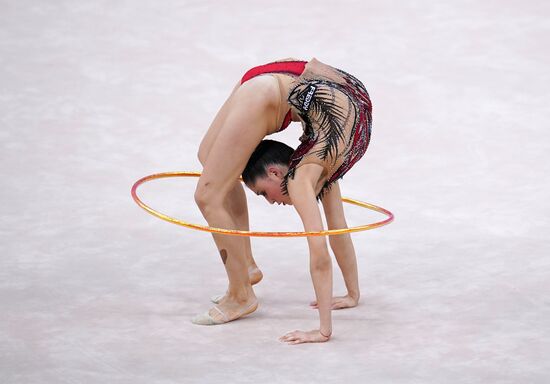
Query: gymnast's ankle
241	296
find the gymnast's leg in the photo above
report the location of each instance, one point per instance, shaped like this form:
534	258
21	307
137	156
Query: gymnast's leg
236	199
227	157
236	204
238	207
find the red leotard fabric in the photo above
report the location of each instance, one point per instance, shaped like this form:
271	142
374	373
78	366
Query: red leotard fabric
290	67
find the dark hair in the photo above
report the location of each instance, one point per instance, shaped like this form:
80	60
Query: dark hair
268	152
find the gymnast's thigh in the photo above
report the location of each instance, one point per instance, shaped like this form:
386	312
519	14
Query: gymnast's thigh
215	127
226	160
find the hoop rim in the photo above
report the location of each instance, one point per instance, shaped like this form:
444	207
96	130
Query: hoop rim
234	232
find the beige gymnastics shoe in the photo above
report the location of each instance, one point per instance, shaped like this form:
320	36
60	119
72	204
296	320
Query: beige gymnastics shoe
206	319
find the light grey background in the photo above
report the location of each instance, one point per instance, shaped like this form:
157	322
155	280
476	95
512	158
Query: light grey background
96	94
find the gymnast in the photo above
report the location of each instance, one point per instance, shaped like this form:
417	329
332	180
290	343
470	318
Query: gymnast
336	114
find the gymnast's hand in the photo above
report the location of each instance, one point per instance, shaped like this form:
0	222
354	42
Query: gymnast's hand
299	337
339	302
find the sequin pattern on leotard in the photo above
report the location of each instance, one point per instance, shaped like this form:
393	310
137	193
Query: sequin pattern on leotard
337	115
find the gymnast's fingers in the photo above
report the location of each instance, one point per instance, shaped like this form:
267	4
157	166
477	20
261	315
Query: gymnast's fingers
296	339
288	336
289	340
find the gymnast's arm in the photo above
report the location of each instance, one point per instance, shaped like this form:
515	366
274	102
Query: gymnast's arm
342	246
302	193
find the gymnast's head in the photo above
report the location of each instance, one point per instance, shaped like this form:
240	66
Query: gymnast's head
266	169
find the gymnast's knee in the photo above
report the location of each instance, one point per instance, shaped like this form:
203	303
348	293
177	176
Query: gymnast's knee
208	200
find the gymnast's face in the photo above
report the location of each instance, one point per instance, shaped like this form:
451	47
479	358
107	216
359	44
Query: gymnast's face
269	186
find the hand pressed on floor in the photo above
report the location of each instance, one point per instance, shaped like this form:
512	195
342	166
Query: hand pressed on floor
299	337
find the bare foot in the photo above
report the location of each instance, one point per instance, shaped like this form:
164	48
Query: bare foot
339	302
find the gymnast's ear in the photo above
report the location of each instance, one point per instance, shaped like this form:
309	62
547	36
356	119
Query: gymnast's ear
275	170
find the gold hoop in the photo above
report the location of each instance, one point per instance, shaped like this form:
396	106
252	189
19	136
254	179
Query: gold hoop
234	232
